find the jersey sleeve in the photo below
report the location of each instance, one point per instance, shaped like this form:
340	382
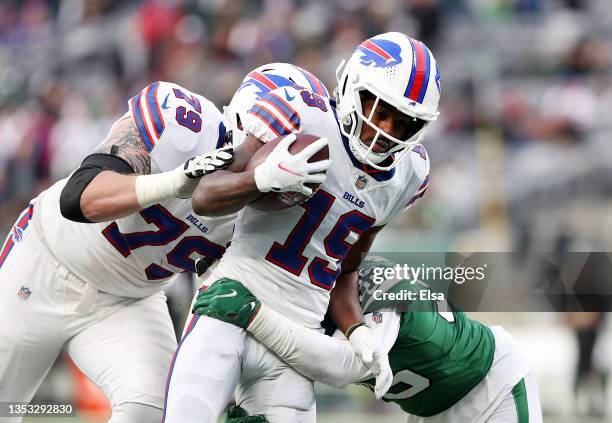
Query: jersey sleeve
417	182
420	161
385	326
283	111
148	114
175	124
329	360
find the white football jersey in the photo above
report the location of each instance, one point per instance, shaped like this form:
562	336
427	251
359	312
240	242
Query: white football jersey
139	254
291	258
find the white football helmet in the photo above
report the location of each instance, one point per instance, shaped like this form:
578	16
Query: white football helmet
398	70
259	82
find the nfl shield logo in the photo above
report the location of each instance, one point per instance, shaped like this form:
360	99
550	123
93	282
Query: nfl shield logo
24	293
377	317
361	182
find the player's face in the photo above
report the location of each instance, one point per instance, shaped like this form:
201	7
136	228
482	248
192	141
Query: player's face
388	119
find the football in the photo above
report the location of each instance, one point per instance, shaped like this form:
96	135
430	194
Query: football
283	200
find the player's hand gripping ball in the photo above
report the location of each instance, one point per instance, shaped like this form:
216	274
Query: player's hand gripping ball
289	170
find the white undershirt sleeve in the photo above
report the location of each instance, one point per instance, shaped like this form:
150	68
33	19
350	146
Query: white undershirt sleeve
329	360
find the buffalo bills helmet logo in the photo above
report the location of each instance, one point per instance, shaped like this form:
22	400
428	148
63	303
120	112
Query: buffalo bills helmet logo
380	53
265	82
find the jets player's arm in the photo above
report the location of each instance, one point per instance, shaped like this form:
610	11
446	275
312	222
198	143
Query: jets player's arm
344	306
302	349
346	311
227	191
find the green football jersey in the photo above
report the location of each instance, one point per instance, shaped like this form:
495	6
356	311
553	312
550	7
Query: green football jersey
438	356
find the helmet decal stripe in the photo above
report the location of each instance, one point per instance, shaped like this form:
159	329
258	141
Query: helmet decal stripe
373	47
425	83
419	76
412	71
262	78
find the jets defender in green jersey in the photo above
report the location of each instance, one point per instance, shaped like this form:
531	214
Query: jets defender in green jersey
446	367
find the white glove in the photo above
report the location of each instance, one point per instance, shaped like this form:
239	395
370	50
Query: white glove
373	358
283	171
384	378
182	181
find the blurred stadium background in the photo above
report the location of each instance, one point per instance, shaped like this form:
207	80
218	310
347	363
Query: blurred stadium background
521	153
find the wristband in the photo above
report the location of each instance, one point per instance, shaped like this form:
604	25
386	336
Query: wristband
352	328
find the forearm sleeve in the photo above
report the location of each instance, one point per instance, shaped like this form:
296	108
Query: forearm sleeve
313	354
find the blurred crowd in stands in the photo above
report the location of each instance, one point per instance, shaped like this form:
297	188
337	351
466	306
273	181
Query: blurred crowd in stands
522	136
521	154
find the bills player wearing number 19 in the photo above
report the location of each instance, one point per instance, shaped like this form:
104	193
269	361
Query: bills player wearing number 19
90	256
291	259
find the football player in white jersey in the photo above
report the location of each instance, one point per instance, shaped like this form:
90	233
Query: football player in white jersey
290	259
95	289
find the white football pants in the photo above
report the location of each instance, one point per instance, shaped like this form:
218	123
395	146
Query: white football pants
215	360
123	345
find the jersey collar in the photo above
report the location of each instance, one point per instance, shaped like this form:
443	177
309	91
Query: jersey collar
379	175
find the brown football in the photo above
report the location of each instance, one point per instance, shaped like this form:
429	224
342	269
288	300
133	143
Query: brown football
283	200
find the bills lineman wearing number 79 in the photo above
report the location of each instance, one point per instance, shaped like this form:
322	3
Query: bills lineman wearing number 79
291	259
98	247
